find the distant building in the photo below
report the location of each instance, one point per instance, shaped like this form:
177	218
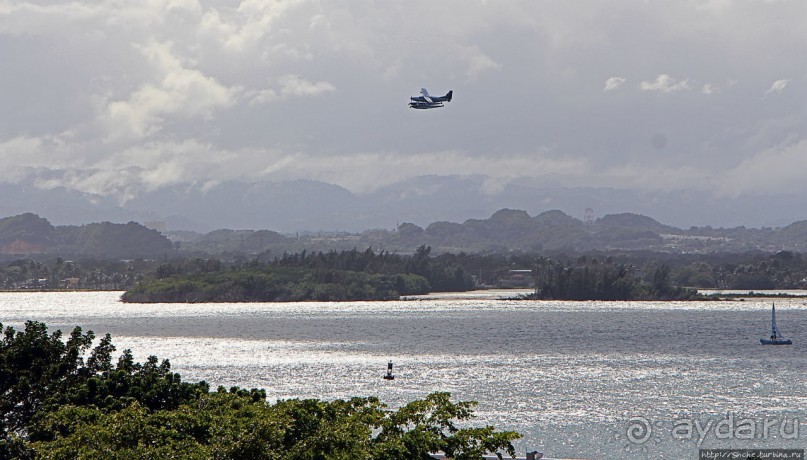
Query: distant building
34	284
69	283
517	279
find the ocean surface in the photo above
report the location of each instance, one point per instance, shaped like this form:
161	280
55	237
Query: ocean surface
605	380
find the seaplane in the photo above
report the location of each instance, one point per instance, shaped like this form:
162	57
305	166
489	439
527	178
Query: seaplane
427	101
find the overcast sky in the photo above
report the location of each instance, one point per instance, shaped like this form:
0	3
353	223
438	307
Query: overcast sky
120	96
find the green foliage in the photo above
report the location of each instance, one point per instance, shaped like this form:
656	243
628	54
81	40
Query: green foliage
27	227
276	284
29	233
54	405
697	274
57	273
40	372
133	432
34	368
589	279
231	426
348	275
593	279
114	241
429	425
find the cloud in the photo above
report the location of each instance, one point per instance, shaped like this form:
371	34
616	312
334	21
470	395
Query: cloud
245	28
18	155
365	172
292	85
186	5
263	96
22	154
664	84
176	90
19	147
477	62
769	172
145	167
21	18
121	183
613	83
150	166
653	177
777	87
148	94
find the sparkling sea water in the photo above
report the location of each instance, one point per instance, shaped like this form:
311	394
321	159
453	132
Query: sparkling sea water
605	380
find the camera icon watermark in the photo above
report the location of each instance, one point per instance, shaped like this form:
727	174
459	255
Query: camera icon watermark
640	430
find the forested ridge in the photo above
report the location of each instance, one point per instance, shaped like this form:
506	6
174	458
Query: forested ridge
31	234
504	231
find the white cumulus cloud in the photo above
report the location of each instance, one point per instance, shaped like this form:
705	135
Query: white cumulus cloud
614	83
289	86
292	85
777	87
176	90
771	171
478	62
665	84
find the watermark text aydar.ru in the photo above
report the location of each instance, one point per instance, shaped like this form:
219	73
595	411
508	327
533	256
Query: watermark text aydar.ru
733	427
730	426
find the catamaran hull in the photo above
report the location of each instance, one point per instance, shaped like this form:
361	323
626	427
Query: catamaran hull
775	342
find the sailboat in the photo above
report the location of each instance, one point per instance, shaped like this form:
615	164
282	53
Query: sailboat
776	336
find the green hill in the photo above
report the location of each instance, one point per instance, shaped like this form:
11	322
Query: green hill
28	234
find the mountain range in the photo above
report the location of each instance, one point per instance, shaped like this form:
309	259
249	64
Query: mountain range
505	231
300	205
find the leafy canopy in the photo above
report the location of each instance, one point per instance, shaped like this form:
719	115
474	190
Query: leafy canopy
63	399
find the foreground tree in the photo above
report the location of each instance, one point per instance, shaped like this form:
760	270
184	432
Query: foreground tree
232	426
56	405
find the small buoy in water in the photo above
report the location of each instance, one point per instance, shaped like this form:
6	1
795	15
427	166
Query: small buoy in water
389	375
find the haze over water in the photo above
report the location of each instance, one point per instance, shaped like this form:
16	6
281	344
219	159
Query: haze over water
572	377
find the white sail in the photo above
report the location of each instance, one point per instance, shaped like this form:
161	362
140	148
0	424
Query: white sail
776	336
774	329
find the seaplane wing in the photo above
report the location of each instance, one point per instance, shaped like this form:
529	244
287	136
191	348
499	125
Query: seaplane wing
427	101
424	97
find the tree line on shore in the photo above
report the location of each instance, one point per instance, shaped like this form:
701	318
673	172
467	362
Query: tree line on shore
61	398
332	276
354	275
371	274
595	279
